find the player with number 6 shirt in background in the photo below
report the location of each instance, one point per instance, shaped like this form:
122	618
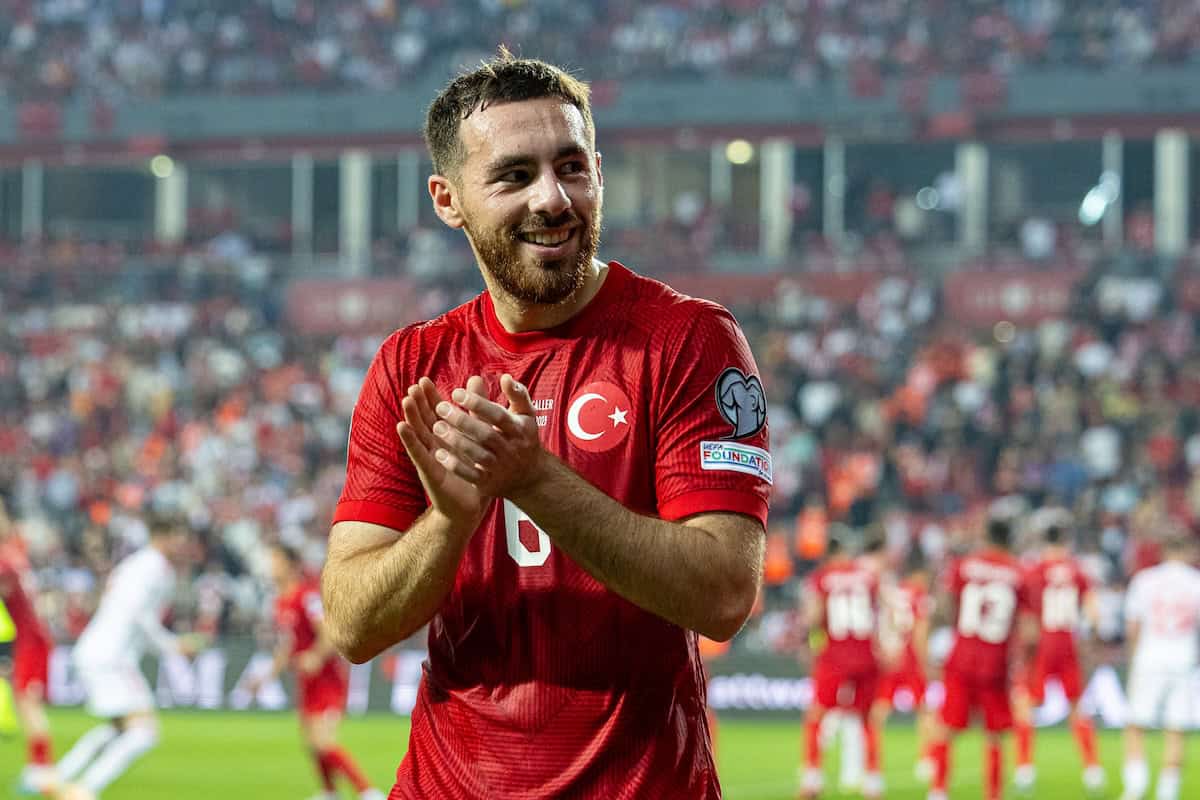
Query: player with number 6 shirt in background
988	593
1060	594
566	478
842	600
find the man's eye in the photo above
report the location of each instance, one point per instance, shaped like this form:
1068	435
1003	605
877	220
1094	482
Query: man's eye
515	176
572	167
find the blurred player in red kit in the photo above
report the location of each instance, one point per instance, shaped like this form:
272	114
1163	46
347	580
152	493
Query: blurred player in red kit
322	677
843	601
904	639
31	655
988	593
566	478
1059	596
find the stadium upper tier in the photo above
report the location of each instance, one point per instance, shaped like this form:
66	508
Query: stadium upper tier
114	49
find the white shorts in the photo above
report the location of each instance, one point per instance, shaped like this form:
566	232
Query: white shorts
115	690
1161	698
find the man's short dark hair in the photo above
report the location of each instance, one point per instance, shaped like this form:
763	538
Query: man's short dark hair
999	531
503	79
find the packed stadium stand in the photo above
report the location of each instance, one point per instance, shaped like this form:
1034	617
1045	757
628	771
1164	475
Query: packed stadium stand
926	353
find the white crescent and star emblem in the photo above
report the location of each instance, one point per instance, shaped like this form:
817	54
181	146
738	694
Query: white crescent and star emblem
598	417
573	417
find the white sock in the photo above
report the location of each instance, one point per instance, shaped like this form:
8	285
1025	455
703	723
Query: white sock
852	766
85	750
1135	776
117	757
1168	784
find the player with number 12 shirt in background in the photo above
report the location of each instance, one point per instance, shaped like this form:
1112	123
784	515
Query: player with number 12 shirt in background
987	589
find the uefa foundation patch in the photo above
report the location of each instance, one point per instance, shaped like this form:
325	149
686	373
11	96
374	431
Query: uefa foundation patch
734	457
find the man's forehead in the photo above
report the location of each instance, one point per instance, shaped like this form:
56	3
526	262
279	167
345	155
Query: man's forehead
522	125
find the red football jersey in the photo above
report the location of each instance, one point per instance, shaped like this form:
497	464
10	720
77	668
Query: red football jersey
18	600
541	682
296	614
850	595
989	589
1056	588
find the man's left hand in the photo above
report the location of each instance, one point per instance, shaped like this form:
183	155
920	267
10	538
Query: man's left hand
496	449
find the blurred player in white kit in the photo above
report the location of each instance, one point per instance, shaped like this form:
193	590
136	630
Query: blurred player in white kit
1162	617
107	659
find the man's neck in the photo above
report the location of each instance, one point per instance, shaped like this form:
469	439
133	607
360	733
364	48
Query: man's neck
519	317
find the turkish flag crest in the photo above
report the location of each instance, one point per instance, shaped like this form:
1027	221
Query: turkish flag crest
599	417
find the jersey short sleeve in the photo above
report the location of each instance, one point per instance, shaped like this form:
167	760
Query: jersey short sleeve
382	486
711	444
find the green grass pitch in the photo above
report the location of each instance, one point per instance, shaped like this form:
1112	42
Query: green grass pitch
231	756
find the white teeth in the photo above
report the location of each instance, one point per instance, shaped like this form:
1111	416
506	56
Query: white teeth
547	239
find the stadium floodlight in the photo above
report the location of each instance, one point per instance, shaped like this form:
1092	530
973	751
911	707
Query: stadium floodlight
162	166
739	151
1096	202
928	198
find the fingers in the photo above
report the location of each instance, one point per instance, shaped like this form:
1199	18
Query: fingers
490	416
449	461
477	385
463	445
428	397
519	401
417	450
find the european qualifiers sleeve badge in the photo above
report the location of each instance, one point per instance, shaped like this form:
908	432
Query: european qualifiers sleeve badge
742	403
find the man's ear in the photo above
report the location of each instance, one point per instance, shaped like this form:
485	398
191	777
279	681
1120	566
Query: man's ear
599	173
445	201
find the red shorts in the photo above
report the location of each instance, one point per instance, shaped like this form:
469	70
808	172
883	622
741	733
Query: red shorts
967	692
839	688
910	678
1064	666
31	667
321	694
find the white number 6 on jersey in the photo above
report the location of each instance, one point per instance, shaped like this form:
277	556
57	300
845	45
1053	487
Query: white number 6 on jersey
513	517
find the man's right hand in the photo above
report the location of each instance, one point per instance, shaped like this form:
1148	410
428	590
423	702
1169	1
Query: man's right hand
450	495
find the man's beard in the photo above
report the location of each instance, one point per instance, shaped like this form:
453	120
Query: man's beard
540	282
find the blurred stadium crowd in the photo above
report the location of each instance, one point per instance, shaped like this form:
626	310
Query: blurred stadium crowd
180	384
117	50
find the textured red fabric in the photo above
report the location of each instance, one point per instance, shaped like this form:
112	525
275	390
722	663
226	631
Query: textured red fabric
541	682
